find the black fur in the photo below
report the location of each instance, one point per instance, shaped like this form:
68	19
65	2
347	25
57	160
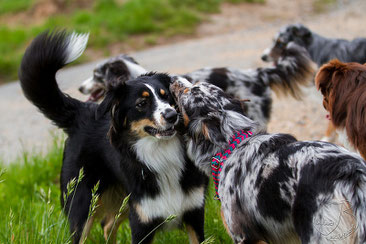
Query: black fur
88	147
321	49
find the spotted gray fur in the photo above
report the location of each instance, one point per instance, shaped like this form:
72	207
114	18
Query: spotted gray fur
273	188
293	69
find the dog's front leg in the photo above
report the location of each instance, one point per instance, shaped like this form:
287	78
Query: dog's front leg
194	221
142	229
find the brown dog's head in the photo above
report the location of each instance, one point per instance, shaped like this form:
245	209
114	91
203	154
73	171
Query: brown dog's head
343	86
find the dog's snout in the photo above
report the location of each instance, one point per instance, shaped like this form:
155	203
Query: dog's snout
170	115
81	89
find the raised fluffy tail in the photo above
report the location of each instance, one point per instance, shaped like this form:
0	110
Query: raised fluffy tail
48	53
292	70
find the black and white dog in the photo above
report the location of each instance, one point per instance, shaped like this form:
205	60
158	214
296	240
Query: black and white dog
117	69
272	187
321	49
150	161
293	69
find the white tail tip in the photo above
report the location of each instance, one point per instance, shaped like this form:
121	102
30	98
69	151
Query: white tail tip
76	45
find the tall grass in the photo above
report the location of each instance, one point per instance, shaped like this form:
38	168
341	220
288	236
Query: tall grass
108	21
31	211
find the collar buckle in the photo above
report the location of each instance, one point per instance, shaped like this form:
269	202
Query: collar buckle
217	163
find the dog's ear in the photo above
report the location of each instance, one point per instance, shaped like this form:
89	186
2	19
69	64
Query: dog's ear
112	98
323	79
165	79
301	31
116	74
211	129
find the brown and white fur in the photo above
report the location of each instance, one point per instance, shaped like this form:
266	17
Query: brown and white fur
343	86
272	187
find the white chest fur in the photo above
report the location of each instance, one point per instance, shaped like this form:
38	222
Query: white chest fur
166	159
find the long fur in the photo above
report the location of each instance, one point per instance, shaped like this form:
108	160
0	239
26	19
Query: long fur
149	161
321	49
343	86
272	187
48	53
293	70
86	146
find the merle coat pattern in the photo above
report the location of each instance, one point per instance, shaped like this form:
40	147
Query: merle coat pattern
292	70
272	187
149	161
321	49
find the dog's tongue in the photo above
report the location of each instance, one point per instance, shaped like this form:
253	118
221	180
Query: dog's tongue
94	97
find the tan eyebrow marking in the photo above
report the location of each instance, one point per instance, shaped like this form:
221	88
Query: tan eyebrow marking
145	94
162	92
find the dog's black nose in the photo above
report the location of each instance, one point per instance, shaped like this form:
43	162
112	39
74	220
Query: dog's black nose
170	115
264	57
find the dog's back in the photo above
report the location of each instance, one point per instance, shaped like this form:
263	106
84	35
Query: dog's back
320	48
299	188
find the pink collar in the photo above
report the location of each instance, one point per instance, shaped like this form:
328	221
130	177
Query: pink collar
217	161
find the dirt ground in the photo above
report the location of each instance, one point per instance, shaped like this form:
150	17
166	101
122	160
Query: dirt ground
236	38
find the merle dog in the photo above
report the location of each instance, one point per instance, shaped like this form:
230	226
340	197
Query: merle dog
321	49
272	187
293	69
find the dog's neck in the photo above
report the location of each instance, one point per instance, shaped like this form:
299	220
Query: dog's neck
202	150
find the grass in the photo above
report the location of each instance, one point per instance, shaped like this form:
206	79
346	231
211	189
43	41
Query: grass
13	6
108	21
31	211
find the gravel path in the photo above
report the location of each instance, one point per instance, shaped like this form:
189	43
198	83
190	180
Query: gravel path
23	128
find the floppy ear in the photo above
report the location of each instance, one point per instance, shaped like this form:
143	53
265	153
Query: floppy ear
113	96
165	79
211	129
301	30
116	73
323	79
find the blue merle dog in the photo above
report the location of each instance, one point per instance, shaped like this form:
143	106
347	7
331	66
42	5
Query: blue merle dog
292	71
272	187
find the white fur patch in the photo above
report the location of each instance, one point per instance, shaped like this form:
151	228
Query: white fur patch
134	69
166	159
161	107
87	85
184	81
76	45
267	52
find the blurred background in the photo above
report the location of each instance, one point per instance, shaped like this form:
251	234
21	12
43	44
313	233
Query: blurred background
126	25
